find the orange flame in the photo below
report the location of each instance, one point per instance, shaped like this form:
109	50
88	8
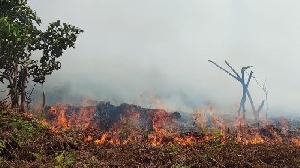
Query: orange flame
257	139
296	142
80	120
88	138
102	139
164	129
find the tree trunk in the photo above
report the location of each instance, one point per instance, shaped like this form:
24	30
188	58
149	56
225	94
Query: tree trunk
44	98
14	98
14	87
23	79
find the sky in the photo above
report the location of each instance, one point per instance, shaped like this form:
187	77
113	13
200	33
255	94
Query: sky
133	49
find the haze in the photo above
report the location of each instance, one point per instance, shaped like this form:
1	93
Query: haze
133	47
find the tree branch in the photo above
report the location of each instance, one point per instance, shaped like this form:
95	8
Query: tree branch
235	77
249	78
255	112
232	69
261	106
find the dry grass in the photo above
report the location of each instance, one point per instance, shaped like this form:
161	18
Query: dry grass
26	143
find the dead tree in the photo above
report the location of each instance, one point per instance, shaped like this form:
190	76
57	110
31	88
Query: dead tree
246	93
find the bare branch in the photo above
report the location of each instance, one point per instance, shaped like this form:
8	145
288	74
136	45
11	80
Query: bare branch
261	106
235	77
251	101
249	78
245	68
255	112
232	69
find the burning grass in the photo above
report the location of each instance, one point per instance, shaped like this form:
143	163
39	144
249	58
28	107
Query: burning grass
131	136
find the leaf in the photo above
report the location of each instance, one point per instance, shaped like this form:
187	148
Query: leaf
21	38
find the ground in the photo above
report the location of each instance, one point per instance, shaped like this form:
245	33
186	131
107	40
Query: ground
26	142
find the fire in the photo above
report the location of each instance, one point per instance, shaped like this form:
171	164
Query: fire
296	142
163	128
58	111
43	122
102	139
65	117
29	115
189	140
257	139
133	124
89	138
83	119
199	116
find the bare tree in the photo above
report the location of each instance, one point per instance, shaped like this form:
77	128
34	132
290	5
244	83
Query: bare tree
245	84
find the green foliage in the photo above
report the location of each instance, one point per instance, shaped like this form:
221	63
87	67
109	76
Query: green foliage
208	155
7	28
171	149
217	133
3	112
23	127
19	37
23	130
2	145
297	160
216	141
181	162
65	159
38	156
204	129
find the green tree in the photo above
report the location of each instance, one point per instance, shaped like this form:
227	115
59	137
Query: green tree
19	38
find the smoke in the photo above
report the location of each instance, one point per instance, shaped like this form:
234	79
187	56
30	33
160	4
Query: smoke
136	47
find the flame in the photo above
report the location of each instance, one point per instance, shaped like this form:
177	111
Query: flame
296	142
43	122
78	119
29	115
83	119
199	116
163	126
88	138
58	111
257	139
153	126
102	139
156	101
188	140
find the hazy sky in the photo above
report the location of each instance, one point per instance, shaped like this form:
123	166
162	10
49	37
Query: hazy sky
134	47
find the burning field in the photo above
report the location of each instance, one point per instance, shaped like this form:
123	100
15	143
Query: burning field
105	135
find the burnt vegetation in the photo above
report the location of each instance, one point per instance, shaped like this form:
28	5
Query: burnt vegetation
30	141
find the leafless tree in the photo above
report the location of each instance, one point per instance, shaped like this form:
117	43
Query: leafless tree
245	84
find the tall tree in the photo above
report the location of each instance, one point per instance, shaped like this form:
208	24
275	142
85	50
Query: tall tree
19	38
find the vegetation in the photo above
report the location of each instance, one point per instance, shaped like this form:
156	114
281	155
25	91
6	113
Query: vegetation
24	142
19	38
